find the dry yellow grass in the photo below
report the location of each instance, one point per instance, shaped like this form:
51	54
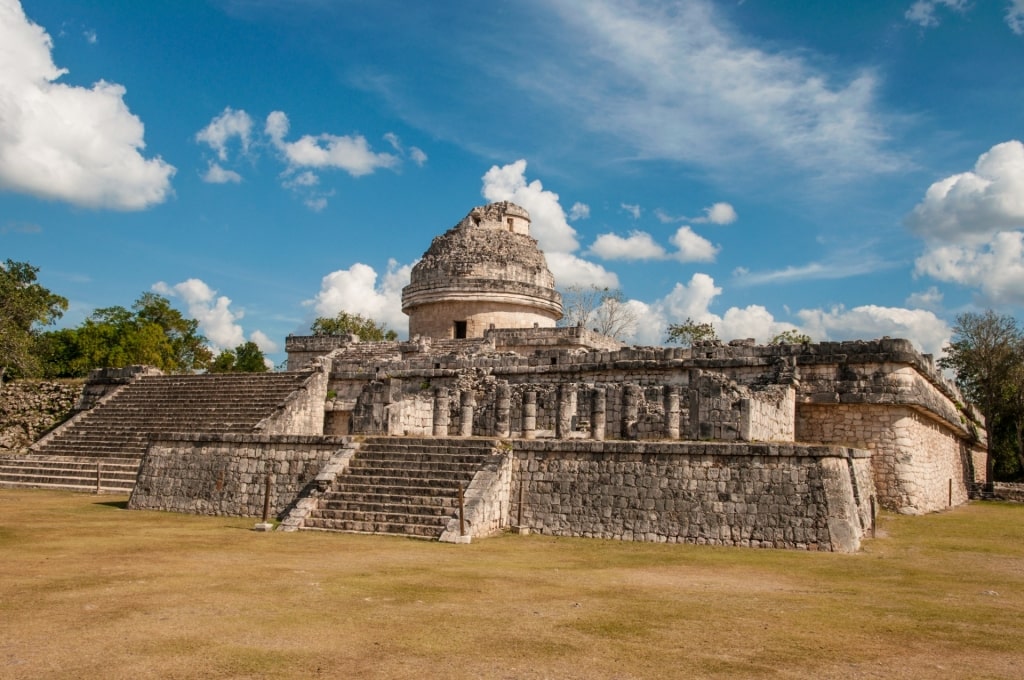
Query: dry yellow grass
90	590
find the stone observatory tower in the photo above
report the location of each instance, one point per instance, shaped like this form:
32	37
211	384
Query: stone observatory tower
486	270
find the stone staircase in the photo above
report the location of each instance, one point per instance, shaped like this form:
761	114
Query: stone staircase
402	486
101	448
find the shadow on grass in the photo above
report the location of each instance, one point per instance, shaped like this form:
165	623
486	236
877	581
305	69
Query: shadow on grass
121	505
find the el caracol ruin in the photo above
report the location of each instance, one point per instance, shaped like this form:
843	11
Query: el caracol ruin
492	417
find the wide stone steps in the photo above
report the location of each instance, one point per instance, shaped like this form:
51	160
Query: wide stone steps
117	476
120	428
406	486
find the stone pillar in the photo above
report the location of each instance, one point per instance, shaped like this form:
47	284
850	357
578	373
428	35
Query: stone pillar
630	411
503	410
468	404
597	414
671	412
441	414
529	415
566	410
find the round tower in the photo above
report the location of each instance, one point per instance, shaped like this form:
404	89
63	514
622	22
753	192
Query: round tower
486	270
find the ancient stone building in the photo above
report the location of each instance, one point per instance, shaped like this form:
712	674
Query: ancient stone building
543	428
485	272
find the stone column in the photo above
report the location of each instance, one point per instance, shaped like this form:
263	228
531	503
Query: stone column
566	410
503	410
630	411
441	414
468	404
671	412
529	415
597	414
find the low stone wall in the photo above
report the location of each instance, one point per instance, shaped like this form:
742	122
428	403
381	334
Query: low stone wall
920	465
226	474
28	408
755	495
303	412
1005	491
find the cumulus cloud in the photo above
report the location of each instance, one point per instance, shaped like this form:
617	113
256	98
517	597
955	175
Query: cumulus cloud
547	224
215	174
356	291
972	226
351	153
719	213
579	211
216	319
74	144
262	341
926	299
692	247
230	124
418	156
1015	16
922	327
639	245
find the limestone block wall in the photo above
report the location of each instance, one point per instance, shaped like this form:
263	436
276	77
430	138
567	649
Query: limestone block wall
761	495
303	411
437	320
226	474
916	459
486	501
769	415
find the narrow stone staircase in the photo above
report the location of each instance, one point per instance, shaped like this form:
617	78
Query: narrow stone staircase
102	448
402	486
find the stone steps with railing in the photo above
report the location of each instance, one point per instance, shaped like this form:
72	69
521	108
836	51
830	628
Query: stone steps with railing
402	486
118	430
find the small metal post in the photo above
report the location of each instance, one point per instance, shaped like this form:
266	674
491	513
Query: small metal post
950	492
462	513
99	475
266	500
874	513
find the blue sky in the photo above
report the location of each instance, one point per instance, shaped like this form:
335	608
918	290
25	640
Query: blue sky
852	170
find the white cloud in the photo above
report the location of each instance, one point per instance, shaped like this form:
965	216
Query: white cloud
674	80
216	320
262	341
418	156
633	210
355	290
63	142
90	36
841	266
927	299
579	211
1015	16
719	213
972	206
923	328
215	174
922	12
350	153
639	245
570	270
692	247
972	226
230	124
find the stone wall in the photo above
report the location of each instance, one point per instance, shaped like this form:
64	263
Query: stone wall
303	411
28	408
226	474
761	495
917	459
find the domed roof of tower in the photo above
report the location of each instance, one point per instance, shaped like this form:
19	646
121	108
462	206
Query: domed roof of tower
488	258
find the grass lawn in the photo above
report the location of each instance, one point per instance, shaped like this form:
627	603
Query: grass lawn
91	590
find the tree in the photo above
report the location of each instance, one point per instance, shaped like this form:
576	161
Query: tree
987	358
245	358
790	337
368	330
151	333
605	310
24	306
689	333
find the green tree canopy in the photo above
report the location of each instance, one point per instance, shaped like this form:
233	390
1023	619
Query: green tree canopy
790	337
151	332
245	358
690	332
368	330
987	358
25	305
